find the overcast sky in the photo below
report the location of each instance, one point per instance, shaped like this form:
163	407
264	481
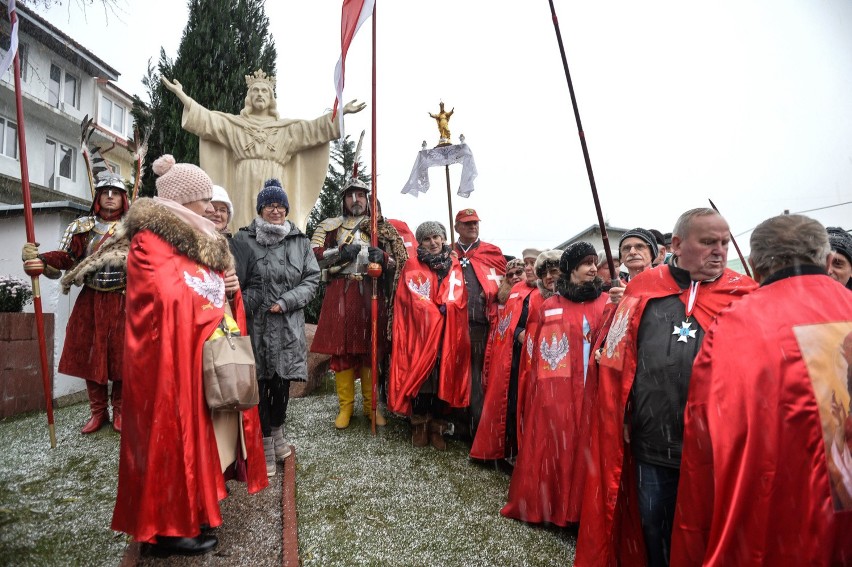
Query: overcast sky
748	103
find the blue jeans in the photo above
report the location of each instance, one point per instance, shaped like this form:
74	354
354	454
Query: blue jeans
657	491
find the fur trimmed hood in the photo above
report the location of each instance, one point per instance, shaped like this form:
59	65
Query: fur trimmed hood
208	250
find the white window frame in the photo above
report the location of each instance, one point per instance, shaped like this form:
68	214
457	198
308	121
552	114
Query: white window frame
60	150
5	124
108	102
62	93
114	167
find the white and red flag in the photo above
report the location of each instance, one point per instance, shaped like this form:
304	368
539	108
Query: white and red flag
355	13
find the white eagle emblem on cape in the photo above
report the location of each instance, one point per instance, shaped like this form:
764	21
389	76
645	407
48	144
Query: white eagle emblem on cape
554	352
617	332
210	286
423	289
503	325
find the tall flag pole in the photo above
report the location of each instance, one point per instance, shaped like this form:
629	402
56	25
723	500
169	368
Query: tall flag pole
33	268
736	246
604	236
374	241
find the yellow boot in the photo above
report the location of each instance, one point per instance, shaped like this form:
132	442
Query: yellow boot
367	393
345	383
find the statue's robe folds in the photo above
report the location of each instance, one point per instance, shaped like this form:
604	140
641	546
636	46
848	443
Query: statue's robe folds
241	152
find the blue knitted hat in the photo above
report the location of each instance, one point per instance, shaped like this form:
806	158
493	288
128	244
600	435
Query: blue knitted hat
272	192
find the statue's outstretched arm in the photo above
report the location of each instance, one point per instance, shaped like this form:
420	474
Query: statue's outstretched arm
353	106
177	88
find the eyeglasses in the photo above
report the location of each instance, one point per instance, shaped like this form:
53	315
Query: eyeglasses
639	248
221	210
274	207
515	274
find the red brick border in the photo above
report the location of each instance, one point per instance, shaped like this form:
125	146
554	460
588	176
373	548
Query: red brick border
290	537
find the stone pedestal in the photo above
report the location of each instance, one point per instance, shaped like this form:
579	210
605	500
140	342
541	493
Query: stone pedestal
21	387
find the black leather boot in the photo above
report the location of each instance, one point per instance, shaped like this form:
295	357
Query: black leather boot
167	545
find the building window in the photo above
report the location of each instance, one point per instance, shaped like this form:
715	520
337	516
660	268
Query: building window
60	162
8	138
5	43
63	87
112	115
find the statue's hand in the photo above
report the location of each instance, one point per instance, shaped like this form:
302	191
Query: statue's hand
176	88
354	106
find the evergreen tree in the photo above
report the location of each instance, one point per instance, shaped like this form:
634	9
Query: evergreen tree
329	204
224	40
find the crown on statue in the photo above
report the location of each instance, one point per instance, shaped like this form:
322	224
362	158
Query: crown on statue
260	76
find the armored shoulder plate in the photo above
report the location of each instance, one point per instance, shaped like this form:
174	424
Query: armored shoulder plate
324	228
77	226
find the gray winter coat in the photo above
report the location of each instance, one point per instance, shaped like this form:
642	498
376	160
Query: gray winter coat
286	273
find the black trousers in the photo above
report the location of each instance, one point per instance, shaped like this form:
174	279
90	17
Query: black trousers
274	395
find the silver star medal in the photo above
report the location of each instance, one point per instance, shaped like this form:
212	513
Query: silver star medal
684	332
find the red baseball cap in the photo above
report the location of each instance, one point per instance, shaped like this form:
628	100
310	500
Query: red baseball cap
466	215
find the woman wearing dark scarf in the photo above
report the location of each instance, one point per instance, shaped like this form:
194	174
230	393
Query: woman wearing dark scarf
430	319
545	485
278	276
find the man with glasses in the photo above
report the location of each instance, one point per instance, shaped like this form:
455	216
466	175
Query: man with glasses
637	250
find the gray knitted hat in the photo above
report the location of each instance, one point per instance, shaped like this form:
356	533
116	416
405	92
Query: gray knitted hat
430	228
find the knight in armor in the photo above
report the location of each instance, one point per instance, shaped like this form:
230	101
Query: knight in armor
342	248
94	339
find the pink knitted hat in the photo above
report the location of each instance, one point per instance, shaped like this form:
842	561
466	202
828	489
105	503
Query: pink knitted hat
181	182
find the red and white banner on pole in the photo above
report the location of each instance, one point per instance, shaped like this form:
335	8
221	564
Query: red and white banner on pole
6	61
355	13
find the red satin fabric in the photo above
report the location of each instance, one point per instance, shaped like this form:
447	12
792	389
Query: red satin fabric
542	487
484	258
755	486
490	440
610	533
454	387
417	330
536	299
169	478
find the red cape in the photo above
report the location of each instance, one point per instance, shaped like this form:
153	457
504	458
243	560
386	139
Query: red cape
490	440
407	236
536	299
542	487
489	264
454	387
417	329
610	533
167	488
759	476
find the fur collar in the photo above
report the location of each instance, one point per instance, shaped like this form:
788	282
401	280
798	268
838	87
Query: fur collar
112	253
545	292
578	293
208	250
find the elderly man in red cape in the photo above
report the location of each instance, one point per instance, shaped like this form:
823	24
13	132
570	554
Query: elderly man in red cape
483	266
652	374
766	477
430	317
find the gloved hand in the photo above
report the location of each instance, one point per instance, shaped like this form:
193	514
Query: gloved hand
30	251
349	252
375	255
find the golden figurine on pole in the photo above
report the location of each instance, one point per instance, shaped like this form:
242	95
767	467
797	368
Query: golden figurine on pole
443	120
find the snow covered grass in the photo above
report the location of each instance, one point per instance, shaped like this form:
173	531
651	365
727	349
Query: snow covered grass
56	504
361	500
365	500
